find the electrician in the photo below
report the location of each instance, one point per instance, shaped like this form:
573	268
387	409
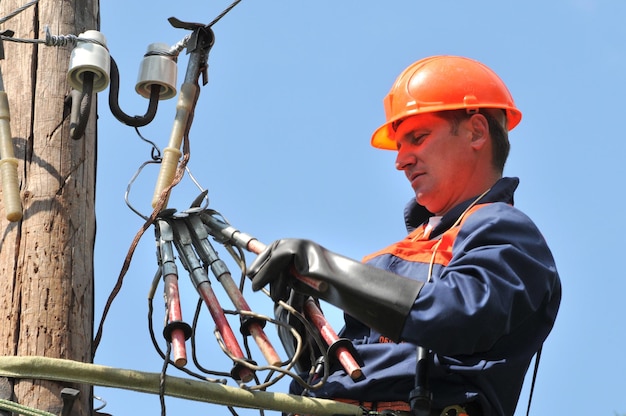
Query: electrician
473	282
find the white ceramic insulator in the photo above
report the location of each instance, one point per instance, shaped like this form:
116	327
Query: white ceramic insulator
157	69
90	57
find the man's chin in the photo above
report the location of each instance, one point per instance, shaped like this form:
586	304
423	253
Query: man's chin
421	199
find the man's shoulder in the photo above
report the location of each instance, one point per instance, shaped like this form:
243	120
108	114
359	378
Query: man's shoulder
502	220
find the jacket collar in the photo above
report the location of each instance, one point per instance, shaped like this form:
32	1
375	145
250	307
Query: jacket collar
415	214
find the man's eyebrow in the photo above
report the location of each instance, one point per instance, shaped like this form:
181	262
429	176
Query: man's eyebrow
409	134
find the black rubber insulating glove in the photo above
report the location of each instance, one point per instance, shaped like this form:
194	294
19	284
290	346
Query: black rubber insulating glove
380	299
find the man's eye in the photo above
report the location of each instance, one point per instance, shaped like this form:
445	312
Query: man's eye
418	138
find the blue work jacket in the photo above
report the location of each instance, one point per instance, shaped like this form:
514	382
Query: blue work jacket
491	299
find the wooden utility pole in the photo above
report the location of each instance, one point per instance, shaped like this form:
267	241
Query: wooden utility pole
46	259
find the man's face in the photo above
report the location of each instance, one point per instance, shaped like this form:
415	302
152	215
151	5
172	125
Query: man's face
440	165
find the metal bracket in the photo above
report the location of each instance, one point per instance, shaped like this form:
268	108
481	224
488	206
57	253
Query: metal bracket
5	33
200	41
202	36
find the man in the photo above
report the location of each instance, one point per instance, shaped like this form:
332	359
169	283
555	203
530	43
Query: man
473	283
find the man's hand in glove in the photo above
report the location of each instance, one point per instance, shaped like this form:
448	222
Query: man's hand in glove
278	264
376	297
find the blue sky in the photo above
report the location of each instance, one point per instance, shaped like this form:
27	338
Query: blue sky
281	141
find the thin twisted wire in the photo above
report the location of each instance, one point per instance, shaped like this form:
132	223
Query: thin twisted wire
53	40
17	11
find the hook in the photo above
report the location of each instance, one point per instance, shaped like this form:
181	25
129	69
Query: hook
134	121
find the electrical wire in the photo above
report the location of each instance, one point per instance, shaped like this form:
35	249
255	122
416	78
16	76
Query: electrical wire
53	40
21	409
219	16
274	373
249	362
69	371
18	11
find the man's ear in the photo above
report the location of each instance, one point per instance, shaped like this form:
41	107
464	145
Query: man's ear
480	130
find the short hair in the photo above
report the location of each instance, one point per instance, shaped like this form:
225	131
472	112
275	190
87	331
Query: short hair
496	120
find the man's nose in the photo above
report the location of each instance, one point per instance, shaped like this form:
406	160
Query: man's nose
404	159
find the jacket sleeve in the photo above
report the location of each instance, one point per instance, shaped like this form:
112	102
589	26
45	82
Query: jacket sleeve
500	276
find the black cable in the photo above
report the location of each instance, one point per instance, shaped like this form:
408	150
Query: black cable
532	385
81	106
228	9
114	90
162	379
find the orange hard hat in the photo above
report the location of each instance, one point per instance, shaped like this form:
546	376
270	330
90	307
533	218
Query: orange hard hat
441	83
